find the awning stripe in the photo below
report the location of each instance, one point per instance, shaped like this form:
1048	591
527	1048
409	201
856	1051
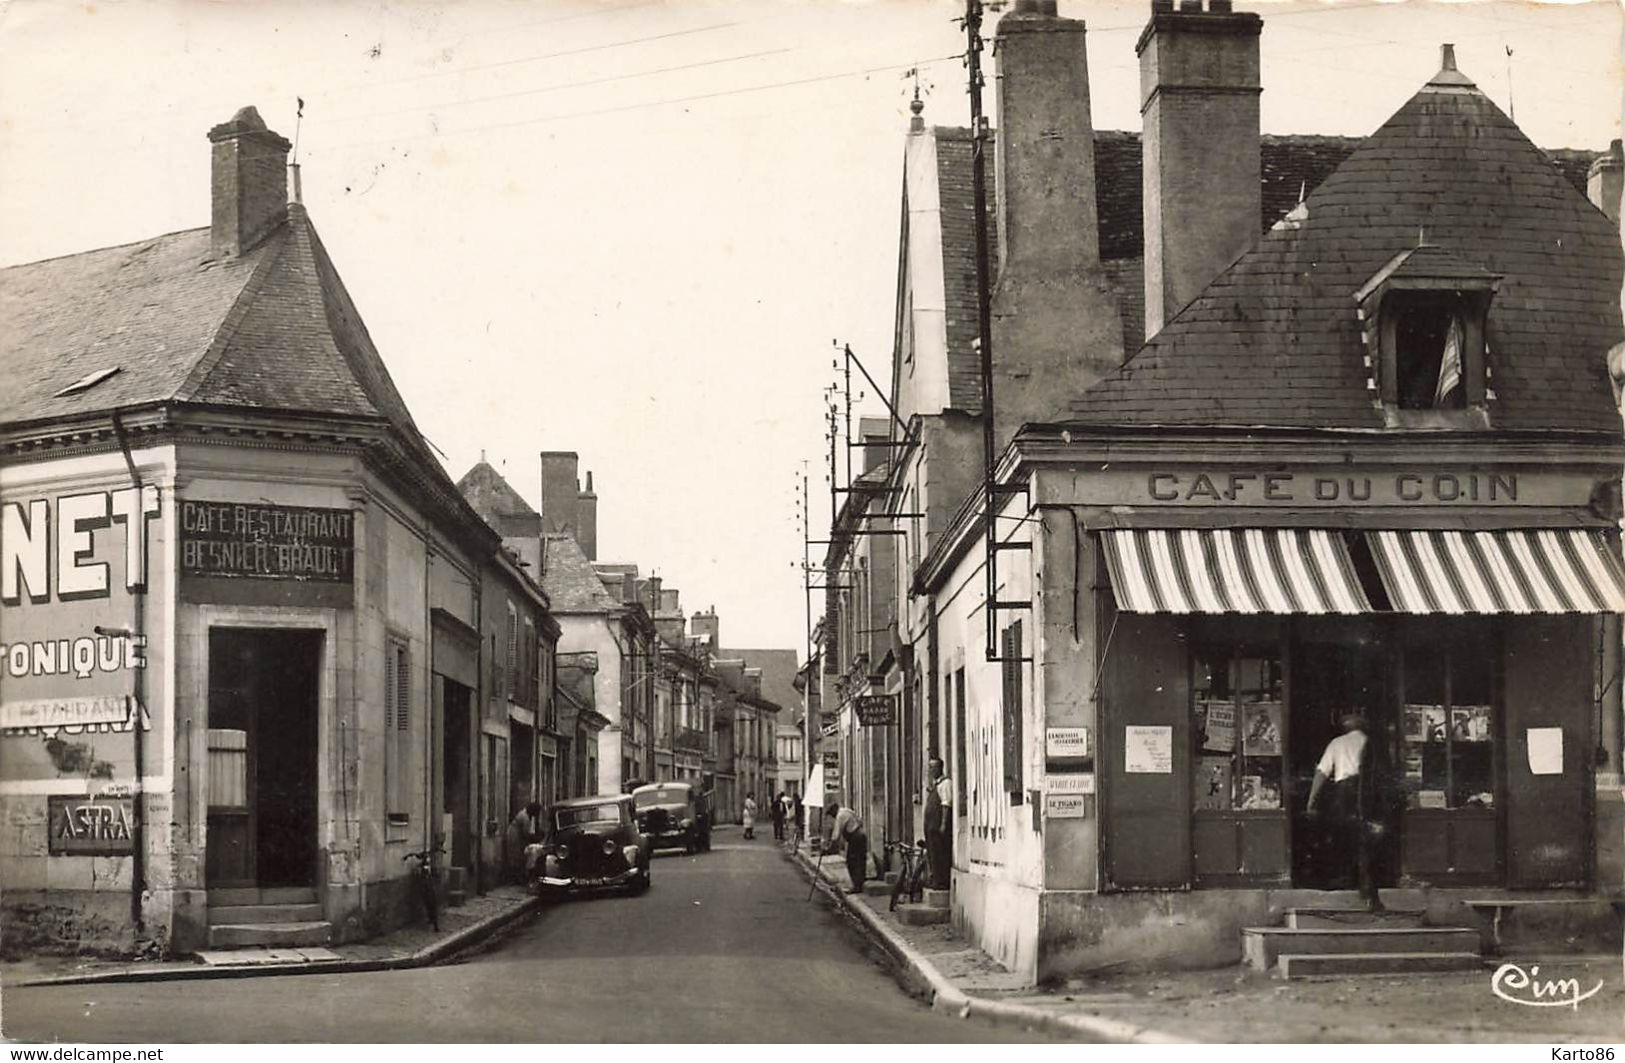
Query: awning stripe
1545	570
1218	571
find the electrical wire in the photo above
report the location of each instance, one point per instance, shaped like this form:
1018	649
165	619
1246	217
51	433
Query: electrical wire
670	101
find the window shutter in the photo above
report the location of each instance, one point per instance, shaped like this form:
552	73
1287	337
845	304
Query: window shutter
389	689
1013	715
403	678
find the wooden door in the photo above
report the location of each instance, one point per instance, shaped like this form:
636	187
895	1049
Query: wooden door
1549	747
1145	750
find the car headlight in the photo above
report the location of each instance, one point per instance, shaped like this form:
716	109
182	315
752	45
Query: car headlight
686	824
609	846
631	854
562	852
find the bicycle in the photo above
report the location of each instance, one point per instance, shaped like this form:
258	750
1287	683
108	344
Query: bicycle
911	875
423	880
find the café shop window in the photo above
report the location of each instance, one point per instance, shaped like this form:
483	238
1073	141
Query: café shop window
1447	722
1239	825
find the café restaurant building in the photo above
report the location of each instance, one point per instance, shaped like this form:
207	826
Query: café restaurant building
1373	465
239	599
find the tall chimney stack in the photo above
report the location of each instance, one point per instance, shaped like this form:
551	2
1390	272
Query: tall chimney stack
248	191
587	520
1055	313
1603	181
561	491
1199	88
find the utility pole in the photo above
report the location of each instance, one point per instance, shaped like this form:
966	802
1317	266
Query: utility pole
984	308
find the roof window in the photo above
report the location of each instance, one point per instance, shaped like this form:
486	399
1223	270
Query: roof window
1424	320
86	382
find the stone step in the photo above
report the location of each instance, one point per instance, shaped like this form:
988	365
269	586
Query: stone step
221	914
1348	963
274	935
1262	945
877	887
456	898
236	897
922	915
939	898
1331	918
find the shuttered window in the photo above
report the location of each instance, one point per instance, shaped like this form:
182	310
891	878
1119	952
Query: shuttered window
1013	713
397	731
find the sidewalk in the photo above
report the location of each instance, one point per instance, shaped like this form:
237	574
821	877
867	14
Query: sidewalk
1234	1004
461	928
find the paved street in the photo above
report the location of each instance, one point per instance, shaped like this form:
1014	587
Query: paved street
725	947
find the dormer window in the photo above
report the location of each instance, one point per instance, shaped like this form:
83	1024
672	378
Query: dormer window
1423	317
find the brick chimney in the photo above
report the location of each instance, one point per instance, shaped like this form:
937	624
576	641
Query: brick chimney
249	184
587	520
1055	314
561	493
1603	181
1199	89
706	625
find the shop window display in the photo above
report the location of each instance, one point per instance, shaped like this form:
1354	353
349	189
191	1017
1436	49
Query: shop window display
1448	728
1238	719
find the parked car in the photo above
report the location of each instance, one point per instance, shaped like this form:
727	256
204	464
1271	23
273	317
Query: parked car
593	843
674	814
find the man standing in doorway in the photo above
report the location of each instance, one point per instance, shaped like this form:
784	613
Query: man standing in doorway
939	826
1345	770
846	833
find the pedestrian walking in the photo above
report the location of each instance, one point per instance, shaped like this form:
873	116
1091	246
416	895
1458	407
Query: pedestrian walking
778	817
523	831
846	833
1345	772
801	820
939	826
749	816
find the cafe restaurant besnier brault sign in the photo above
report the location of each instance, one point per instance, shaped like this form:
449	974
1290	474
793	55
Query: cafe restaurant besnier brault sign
239	541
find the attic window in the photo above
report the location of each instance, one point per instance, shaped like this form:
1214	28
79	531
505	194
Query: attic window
1429	353
86	382
1424	319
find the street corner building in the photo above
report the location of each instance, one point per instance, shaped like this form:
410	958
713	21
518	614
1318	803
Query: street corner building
1286	428
241	664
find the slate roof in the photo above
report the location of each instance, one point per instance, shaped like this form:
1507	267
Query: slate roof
1274	340
273	328
1290	165
491	495
779	669
568	578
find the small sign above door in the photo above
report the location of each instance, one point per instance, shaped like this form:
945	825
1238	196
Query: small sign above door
876	710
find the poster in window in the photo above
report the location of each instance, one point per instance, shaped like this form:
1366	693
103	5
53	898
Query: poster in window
1415	724
1219	731
1262	733
1413	764
1433	723
1259	793
1213	784
1470	723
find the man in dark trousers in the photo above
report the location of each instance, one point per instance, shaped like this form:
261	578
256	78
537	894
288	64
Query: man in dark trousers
778	817
939	826
846	833
1345	772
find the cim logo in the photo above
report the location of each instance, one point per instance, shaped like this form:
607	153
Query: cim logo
1514	985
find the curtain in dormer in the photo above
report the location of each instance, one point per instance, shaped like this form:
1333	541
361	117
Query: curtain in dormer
1450	380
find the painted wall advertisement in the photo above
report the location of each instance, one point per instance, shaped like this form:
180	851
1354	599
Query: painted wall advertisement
73	642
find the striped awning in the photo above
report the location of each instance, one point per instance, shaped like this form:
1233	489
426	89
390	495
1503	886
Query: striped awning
1233	570
1564	570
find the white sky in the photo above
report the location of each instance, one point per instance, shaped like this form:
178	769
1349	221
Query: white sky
633	230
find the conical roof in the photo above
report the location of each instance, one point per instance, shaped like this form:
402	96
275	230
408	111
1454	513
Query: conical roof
1275	341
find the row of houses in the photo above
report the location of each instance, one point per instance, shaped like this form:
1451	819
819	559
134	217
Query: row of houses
255	644
1284	427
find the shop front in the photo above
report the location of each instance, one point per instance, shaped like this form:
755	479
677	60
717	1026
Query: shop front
1206	623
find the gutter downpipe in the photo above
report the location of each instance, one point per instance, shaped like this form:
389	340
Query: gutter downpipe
138	856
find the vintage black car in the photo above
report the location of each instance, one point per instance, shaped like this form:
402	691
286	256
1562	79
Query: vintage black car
674	814
593	843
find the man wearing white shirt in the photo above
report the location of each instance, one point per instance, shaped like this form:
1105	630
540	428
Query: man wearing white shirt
1345	773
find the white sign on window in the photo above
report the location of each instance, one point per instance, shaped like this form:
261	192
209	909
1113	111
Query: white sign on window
1078	782
1148	750
1065	806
